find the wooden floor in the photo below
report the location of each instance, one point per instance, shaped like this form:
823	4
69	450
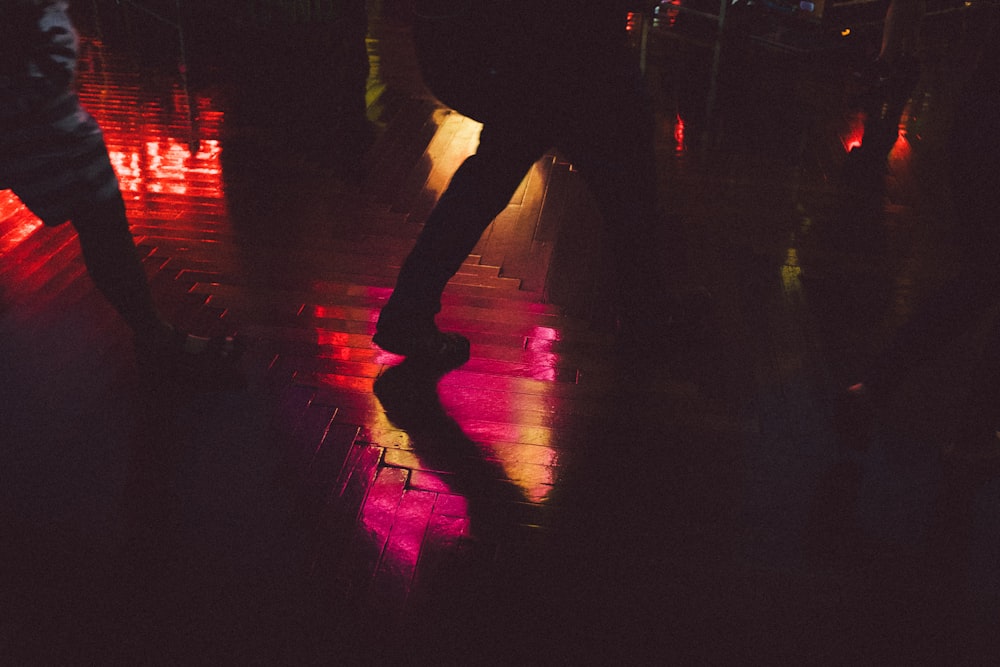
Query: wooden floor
539	505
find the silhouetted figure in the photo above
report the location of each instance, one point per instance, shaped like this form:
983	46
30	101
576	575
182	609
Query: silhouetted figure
53	157
963	301
941	564
296	75
888	82
538	75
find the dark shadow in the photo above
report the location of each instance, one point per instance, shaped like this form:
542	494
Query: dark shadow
409	394
469	606
293	85
214	547
910	585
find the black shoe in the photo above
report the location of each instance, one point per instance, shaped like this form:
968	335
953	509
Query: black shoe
431	346
203	363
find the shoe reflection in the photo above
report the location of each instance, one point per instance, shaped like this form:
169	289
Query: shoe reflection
409	394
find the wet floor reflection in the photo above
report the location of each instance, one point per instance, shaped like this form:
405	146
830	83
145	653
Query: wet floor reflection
534	507
409	394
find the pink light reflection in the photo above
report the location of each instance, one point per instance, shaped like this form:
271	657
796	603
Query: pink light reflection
379	514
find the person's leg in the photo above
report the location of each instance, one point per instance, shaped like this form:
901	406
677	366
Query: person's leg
480	189
961	302
113	264
612	143
889	81
901	31
953	309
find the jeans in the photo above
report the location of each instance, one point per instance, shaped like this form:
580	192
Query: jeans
604	128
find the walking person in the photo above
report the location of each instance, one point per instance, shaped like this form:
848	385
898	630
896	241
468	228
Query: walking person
538	75
959	304
886	84
53	157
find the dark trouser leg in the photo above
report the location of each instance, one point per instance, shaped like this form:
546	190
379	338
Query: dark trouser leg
614	150
952	312
961	302
113	263
480	189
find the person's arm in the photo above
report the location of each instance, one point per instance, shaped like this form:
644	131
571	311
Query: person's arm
37	44
55	54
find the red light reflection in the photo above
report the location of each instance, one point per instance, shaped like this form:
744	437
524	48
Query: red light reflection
855	131
901	149
164	166
679	145
18	223
148	149
666	14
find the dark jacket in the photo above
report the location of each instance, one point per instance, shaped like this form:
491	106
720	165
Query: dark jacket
52	152
482	57
38	49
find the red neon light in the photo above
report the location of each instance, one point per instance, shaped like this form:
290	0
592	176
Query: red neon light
679	145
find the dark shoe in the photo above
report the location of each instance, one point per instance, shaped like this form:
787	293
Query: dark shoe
431	346
209	363
183	347
854	418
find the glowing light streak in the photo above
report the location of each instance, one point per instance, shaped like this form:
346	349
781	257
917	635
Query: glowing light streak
679	145
855	132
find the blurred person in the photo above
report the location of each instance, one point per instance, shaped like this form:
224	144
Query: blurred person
538	75
901	31
961	303
53	157
889	79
